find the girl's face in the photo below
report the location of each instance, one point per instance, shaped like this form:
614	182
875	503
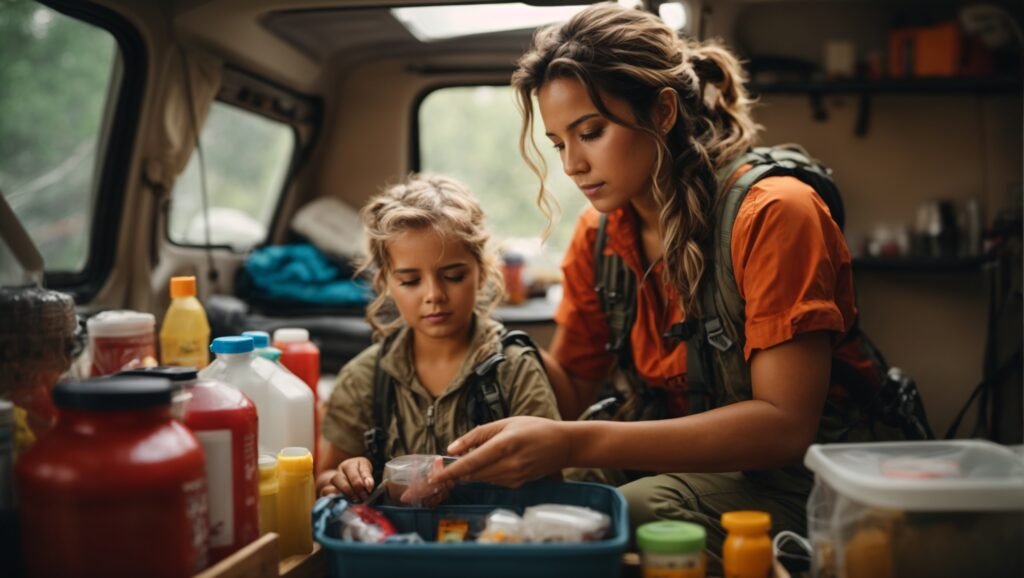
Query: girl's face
434	282
609	162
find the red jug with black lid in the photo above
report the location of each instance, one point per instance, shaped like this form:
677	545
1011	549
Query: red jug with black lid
116	488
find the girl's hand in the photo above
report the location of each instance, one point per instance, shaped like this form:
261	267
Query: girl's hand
509	452
353	478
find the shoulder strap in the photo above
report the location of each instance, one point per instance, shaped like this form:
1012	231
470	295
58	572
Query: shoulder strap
716	345
487	397
375	439
615	286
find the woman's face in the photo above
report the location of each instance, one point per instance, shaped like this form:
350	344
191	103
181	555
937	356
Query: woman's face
609	162
434	283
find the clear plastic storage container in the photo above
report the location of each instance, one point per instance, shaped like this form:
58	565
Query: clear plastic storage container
902	509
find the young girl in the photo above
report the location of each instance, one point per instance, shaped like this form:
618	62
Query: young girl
427	243
650	126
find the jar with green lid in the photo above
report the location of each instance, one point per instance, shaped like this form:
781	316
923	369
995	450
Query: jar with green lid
671	549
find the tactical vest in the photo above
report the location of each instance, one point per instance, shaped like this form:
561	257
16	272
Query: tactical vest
717	372
485	403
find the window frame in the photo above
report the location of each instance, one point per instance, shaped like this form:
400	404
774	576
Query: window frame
311	106
116	146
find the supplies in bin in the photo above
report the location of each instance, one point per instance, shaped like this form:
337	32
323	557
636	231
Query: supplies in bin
502	527
563	523
357	523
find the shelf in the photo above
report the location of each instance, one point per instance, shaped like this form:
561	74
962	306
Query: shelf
952	85
921	264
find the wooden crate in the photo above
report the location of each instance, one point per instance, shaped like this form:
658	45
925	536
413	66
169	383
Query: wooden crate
260	560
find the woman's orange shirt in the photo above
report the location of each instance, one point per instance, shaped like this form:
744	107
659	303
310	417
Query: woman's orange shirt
792	269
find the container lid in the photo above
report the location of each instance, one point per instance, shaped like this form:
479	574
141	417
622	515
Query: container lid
236	344
120	324
271	353
114	393
259	338
670	537
294	460
747	522
183	287
267	461
291	335
177	375
950	475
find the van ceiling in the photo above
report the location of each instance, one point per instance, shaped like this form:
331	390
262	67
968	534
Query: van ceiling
298	40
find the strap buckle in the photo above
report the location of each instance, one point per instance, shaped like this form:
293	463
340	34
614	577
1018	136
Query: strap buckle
372	439
716	334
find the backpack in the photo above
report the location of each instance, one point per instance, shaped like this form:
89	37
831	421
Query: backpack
714	342
485	404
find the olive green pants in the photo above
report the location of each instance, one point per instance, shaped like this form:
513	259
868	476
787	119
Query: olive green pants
703	498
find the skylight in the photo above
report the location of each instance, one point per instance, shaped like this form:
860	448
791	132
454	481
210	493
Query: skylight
428	23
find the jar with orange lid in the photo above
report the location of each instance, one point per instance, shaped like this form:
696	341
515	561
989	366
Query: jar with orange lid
747	551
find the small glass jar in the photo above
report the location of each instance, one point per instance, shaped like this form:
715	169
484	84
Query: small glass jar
671	549
121	340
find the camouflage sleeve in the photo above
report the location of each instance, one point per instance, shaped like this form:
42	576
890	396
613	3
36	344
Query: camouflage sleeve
527	388
350	407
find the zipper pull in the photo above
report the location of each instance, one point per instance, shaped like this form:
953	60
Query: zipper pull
430	417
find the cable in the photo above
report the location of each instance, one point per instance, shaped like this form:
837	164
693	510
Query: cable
212	273
786	537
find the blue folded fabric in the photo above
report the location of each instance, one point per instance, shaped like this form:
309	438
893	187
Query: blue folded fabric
303	273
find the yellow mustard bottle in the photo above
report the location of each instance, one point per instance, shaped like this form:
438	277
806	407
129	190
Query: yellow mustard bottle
185	334
268	493
295	495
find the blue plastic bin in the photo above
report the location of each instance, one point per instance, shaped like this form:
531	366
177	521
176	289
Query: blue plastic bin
474	501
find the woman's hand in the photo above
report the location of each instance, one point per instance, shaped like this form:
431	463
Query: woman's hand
509	452
353	478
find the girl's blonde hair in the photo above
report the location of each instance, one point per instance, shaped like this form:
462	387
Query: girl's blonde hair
424	202
632	55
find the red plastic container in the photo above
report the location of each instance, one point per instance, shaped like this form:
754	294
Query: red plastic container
224	420
302	357
117	488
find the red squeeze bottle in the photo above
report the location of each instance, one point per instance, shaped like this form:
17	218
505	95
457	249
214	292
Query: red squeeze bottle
225	423
302	357
116	488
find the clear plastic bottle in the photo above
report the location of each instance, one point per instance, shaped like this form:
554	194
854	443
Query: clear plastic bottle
283	402
185	334
268	493
747	551
295	496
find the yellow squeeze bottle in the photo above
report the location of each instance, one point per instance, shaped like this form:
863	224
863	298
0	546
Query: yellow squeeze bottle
185	335
268	493
295	495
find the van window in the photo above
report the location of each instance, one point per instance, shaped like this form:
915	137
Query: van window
245	158
57	75
472	133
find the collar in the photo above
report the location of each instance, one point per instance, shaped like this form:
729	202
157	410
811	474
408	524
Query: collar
398	362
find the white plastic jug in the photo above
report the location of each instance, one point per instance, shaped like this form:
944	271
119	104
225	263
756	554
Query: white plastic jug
283	401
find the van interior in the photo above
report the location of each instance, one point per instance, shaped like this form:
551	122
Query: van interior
146	140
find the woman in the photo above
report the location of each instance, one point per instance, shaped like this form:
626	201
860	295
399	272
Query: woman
642	121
